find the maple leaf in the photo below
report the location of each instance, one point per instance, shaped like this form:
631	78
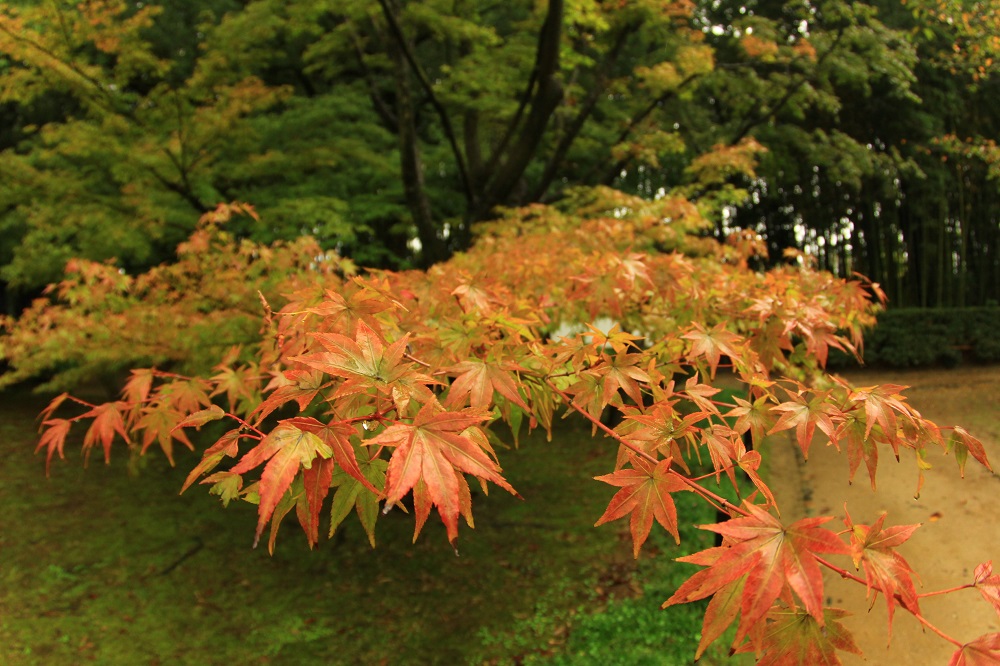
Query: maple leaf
755	417
158	424
792	637
304	386
477	381
200	418
723	447
859	447
881	404
962	443
53	439
362	306
107	422
432	448
988	584
588	395
316	481
137	388
353	494
720	613
621	371
227	445
885	570
662	428
186	396
712	344
285	449
984	651
336	435
54	404
645	494
771	556
364	362
805	416
234	383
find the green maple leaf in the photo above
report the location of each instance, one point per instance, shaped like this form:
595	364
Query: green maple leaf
792	637
352	494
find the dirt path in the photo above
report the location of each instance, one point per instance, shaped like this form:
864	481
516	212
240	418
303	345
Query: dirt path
960	521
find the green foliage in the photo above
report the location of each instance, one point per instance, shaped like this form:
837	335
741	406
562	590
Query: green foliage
912	337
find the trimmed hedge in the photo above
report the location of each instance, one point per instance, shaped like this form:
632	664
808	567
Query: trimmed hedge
911	337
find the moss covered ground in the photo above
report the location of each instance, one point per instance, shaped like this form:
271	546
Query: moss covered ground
102	566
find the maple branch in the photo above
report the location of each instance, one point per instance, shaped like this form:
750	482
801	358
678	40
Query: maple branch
79	402
920	618
634	122
246	425
967	586
590	103
449	132
718	502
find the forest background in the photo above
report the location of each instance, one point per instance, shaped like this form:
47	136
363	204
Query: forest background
863	133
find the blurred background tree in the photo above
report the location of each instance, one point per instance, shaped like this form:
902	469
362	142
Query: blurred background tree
387	129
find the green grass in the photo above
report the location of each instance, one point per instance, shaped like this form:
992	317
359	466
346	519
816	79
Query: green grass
97	566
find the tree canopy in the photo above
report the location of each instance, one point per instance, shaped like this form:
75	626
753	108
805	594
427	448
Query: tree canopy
388	129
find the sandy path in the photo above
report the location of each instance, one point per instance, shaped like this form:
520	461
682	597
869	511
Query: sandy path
961	521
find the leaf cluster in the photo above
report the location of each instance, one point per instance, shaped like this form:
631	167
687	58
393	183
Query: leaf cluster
386	388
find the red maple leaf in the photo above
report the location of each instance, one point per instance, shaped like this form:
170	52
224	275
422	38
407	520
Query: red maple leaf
662	428
962	443
620	371
316	480
158	423
433	448
303	387
984	651
771	556
755	417
364	362
337	435
885	570
107	422
645	494
988	584
53	439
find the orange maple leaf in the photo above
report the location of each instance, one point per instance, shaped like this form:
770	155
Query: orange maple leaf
771	556
645	494
984	651
885	570
432	448
988	584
